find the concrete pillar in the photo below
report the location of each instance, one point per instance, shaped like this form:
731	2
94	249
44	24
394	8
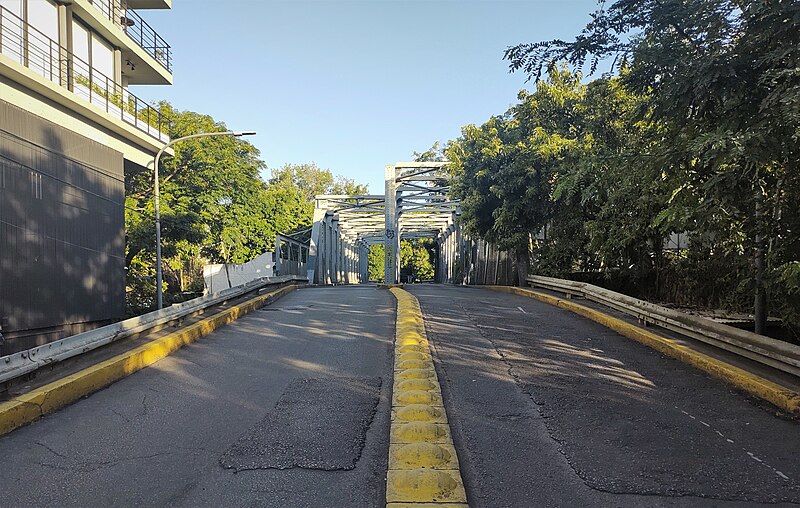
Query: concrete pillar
65	45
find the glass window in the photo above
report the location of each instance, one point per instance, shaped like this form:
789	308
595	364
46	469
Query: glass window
12	32
80	41
102	57
43	38
43	16
80	66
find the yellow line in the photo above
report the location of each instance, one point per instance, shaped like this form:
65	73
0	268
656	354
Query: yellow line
26	408
423	464
749	382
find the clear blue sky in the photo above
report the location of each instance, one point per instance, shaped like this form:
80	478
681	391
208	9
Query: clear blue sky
351	85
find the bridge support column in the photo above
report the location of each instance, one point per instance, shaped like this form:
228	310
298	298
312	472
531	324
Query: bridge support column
392	235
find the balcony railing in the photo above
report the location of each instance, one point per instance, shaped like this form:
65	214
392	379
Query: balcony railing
137	29
36	51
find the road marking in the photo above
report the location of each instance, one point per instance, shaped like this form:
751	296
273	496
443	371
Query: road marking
749	453
522	310
784	398
423	464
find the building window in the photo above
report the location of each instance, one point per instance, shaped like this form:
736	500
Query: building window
43	48
13	29
93	66
37	45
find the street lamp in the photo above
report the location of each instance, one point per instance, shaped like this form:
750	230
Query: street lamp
159	273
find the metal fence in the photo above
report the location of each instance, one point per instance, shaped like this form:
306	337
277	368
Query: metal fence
463	260
291	256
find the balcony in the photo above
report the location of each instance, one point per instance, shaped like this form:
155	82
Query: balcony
29	47
137	29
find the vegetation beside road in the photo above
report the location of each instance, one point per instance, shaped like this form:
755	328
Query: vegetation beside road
695	132
215	208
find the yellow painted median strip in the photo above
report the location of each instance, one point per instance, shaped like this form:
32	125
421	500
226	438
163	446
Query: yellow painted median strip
423	464
753	384
28	407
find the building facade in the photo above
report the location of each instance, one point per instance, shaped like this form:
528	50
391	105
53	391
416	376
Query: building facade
69	129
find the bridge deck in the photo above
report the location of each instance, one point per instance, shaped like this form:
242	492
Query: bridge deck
289	406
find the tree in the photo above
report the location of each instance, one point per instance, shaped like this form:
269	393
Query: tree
210	196
375	261
313	181
416	260
215	207
724	90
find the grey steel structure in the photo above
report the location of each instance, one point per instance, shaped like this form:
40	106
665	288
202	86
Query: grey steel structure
291	255
416	205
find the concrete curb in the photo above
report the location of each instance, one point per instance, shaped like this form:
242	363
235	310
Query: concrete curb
423	464
31	406
748	382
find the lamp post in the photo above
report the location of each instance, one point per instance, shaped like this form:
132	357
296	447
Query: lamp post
159	272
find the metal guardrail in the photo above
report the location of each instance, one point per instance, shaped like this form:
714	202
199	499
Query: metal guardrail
775	353
148	39
24	362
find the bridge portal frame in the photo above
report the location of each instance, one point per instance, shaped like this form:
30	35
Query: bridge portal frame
416	205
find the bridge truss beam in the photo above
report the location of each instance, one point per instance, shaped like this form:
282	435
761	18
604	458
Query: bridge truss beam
416	205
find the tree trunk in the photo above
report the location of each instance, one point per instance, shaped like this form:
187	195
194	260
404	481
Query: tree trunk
522	260
760	300
228	274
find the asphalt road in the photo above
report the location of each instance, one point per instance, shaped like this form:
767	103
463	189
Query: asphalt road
289	407
550	409
286	407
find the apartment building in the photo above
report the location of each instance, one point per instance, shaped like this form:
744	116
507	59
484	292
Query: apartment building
69	129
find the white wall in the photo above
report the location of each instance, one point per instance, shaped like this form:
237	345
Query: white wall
216	277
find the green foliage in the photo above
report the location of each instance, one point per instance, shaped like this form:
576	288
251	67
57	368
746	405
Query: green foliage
698	133
375	262
416	260
215	207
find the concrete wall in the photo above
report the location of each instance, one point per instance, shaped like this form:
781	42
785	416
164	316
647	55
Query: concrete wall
217	276
62	240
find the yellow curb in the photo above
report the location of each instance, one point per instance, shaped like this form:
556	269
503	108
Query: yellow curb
414	374
417	384
427	505
412	347
422	455
409	397
412	355
419	413
31	406
416	432
423	464
414	364
424	486
753	384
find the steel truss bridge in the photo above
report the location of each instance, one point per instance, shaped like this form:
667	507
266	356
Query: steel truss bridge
416	205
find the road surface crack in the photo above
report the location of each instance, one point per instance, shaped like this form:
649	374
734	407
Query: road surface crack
39	443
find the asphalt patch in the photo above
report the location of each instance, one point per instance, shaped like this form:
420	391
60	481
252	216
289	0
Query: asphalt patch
317	424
